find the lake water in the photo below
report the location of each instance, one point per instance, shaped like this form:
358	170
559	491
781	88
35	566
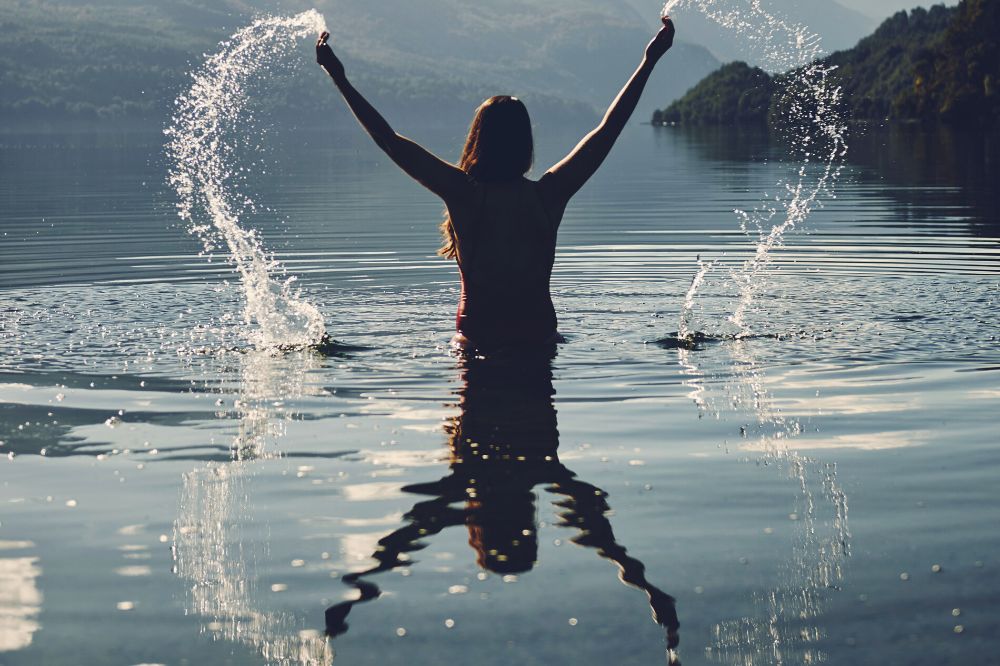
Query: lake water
825	490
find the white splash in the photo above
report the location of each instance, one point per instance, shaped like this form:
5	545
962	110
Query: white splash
684	331
811	124
788	626
202	146
669	6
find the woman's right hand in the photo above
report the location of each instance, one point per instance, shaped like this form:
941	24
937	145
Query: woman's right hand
663	40
326	58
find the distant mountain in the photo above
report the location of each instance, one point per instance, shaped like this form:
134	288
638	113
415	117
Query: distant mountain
838	26
430	61
883	9
937	65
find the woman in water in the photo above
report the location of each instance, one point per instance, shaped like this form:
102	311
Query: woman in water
500	226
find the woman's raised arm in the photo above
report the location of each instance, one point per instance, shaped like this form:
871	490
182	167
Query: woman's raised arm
443	179
564	179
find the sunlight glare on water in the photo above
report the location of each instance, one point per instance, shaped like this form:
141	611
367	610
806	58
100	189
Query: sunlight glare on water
202	145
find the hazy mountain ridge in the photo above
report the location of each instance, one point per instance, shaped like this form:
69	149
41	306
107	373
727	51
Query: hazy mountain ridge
839	27
433	62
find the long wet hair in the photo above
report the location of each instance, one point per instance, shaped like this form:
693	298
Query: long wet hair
499	147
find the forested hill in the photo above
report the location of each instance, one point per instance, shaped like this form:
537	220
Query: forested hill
941	64
115	62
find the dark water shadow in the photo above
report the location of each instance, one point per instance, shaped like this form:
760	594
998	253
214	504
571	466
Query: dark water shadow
503	444
337	349
698	340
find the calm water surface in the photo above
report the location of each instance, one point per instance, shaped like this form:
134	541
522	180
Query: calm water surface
824	490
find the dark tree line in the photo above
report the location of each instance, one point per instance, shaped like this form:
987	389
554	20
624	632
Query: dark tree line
940	64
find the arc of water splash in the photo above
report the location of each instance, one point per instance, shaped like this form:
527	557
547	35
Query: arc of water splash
801	198
816	561
200	146
783	46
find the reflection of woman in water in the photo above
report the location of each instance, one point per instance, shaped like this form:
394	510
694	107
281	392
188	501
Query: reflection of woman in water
501	227
503	444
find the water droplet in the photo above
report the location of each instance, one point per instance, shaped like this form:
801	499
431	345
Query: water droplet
449	623
71	503
936	568
400	631
573	621
125	605
955	612
904	576
959	628
278	587
458	589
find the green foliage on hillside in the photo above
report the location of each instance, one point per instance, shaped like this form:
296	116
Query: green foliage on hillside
941	64
735	93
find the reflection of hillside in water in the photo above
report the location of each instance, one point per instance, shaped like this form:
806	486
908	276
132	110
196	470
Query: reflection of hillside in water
938	176
948	171
216	550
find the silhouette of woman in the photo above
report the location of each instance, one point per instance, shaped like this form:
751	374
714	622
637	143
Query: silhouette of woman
500	226
504	443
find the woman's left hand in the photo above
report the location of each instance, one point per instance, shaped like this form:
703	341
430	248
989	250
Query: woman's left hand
326	58
663	40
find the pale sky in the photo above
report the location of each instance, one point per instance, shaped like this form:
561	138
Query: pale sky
882	9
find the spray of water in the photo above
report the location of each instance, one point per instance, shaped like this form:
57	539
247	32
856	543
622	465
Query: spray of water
684	332
669	6
202	146
788	628
810	123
